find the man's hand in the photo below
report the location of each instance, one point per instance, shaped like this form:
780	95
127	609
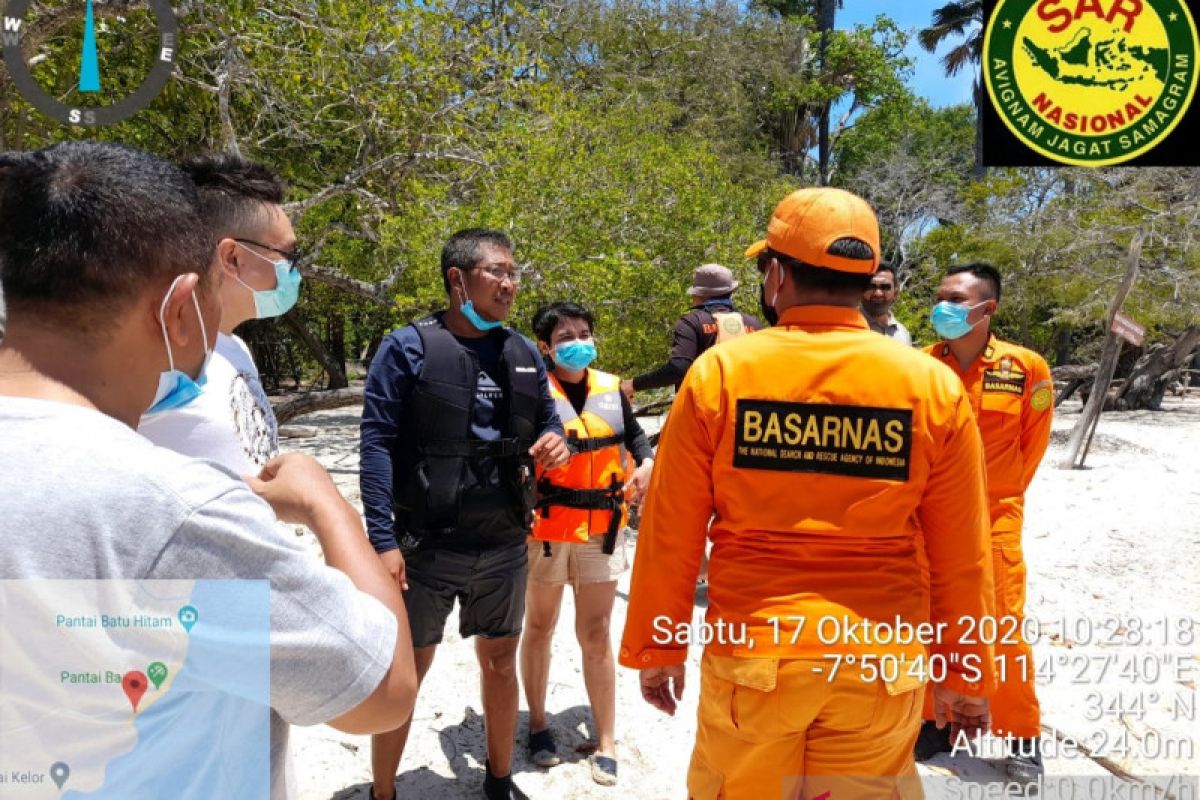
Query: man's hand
393	561
963	712
550	451
627	390
662	686
295	485
639	482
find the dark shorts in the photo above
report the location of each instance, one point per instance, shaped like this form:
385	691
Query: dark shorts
489	585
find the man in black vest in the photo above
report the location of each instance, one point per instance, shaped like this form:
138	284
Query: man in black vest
712	319
457	415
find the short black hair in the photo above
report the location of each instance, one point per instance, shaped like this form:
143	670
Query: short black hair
234	191
462	249
548	316
86	226
810	276
886	268
984	272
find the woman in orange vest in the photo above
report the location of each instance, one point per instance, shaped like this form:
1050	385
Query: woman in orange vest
577	535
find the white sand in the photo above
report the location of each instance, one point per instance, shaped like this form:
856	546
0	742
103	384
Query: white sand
1118	540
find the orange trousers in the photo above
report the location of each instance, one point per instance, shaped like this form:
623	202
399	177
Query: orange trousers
1014	707
784	729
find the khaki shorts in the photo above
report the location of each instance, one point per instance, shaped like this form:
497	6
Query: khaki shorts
577	562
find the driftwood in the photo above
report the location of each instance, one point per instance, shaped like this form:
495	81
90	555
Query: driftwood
653	409
298	405
1159	367
1071	377
1143	375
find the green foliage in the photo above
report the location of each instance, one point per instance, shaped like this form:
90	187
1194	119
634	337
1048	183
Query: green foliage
620	142
611	208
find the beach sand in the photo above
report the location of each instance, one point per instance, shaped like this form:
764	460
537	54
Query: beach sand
1113	552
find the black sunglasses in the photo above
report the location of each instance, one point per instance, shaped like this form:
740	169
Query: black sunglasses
293	256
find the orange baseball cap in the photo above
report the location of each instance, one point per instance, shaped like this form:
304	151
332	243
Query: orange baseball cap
808	221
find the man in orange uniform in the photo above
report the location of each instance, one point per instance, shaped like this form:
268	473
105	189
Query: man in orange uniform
1012	396
821	622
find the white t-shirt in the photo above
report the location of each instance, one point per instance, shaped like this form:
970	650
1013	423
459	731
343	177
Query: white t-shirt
231	422
93	500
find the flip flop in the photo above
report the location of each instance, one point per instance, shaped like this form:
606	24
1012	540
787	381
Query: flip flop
604	769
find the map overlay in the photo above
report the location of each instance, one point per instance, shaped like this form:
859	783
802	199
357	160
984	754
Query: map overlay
123	689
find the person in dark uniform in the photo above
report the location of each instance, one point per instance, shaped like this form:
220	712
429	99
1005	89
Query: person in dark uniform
712	319
457	416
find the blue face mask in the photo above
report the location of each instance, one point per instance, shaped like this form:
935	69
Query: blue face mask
274	302
468	311
950	319
175	387
575	355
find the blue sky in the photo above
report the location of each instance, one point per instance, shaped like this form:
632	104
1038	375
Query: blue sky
928	78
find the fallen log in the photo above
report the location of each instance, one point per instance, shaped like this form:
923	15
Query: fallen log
1158	369
1073	372
1073	376
297	405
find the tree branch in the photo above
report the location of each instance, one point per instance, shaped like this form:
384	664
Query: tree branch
224	88
379	292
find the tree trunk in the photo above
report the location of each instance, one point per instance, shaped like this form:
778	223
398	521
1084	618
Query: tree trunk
1159	367
335	371
368	354
980	171
1062	346
335	334
826	21
298	405
1108	362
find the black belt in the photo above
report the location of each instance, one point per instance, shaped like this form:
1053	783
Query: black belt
473	448
611	499
592	444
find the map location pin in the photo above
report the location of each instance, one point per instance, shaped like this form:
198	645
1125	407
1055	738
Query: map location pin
59	772
187	617
157	673
134	683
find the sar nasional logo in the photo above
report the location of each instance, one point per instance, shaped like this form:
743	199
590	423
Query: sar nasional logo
1090	82
60	65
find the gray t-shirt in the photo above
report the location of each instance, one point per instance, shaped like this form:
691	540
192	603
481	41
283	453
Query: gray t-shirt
84	497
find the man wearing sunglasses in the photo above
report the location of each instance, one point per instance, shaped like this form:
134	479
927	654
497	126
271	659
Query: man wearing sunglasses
877	305
230	421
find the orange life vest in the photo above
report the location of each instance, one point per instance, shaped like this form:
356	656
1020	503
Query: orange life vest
576	499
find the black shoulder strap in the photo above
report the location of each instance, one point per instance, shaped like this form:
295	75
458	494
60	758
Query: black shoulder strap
524	399
520	369
442	402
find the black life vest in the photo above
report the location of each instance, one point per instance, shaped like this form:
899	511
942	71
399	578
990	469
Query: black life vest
430	489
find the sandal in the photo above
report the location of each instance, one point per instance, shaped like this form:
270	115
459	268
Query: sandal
604	769
542	750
